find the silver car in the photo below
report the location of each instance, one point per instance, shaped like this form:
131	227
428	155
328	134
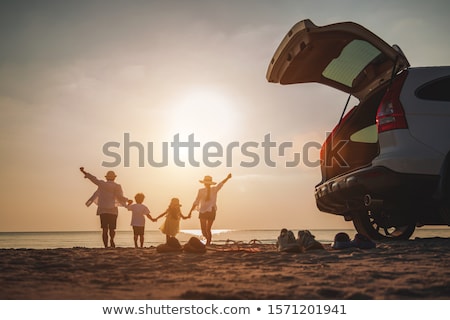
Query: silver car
386	164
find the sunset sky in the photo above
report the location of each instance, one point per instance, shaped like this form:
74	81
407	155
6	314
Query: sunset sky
78	78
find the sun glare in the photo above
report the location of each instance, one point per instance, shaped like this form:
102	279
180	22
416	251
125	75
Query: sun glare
198	232
204	112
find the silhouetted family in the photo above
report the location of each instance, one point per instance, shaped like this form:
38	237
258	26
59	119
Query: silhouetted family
109	196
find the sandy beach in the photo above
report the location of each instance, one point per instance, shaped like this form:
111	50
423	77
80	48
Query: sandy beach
413	269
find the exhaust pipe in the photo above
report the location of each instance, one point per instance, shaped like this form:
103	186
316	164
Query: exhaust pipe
372	203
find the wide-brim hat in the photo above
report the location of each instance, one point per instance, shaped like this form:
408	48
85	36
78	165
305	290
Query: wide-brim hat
110	175
207	180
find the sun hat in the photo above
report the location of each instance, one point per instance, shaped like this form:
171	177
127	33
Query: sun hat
342	241
207	180
110	175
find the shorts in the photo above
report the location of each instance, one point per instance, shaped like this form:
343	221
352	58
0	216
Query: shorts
208	215
138	230
108	221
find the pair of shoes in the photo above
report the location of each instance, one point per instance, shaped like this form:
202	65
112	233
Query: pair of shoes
342	241
307	240
362	242
286	242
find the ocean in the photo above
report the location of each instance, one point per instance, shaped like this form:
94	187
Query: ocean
92	239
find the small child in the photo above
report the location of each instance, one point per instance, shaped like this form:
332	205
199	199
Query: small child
138	213
171	225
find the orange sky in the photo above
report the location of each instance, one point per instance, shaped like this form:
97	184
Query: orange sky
77	76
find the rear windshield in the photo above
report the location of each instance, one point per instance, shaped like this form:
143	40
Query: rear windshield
351	62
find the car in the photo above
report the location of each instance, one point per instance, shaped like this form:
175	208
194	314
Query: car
386	164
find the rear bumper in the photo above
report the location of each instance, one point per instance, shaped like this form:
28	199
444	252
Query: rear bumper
345	194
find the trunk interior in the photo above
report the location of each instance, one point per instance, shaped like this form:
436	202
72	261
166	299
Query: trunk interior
354	142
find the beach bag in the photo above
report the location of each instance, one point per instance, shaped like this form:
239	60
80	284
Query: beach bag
194	245
307	241
286	242
172	245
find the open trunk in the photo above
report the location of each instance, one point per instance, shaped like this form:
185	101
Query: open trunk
353	143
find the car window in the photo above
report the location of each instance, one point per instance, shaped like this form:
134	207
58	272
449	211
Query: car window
352	60
435	90
367	135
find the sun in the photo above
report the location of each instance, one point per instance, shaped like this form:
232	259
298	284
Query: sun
204	111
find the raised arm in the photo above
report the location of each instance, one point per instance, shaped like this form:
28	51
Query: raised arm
90	176
220	185
227	178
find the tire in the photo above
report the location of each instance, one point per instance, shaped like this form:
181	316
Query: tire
443	193
372	225
444	211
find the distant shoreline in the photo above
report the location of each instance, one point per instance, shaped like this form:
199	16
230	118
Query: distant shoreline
443	228
124	239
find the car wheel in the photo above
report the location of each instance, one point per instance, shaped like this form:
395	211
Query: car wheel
372	225
444	211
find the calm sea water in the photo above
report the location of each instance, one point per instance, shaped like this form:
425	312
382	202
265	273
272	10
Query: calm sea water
92	239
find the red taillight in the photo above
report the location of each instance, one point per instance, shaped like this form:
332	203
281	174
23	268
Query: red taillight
390	114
